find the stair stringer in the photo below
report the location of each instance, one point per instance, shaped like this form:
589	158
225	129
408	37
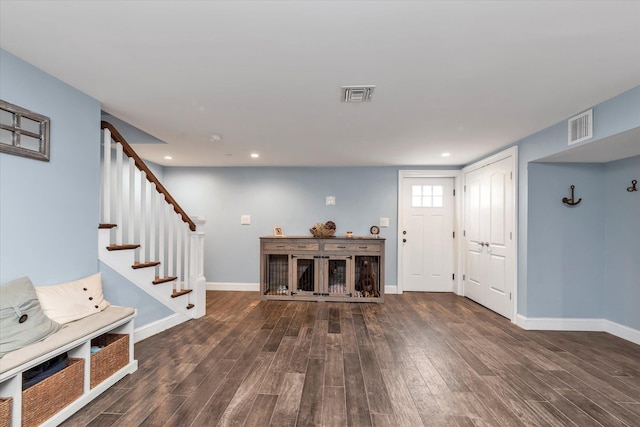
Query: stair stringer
121	261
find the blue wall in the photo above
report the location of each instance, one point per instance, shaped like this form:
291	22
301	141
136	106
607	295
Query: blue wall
566	244
548	234
49	210
119	291
293	198
622	221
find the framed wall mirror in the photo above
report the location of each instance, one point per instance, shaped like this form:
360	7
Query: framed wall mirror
23	132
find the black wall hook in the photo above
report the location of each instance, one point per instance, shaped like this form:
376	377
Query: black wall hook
571	201
633	186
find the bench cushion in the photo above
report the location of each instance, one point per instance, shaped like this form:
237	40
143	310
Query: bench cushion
71	301
69	333
22	320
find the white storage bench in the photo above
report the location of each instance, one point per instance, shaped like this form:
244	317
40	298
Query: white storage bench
89	375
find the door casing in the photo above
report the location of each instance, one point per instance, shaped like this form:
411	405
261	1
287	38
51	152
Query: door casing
457	218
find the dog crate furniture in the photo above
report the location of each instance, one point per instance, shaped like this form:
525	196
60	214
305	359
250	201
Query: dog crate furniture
322	269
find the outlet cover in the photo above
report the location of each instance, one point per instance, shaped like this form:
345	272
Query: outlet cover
245	219
330	200
384	222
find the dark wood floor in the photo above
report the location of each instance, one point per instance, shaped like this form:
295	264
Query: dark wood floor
418	359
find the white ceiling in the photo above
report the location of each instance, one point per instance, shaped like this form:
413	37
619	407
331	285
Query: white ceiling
462	77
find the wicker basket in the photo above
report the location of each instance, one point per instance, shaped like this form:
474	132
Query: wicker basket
44	399
5	411
113	357
323	232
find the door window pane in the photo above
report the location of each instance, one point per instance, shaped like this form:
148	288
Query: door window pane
427	196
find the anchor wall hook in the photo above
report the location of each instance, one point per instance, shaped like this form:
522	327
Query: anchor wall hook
633	186
571	201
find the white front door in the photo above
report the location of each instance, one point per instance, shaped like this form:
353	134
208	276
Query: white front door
489	223
427	234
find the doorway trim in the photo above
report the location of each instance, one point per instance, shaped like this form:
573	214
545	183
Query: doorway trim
456	174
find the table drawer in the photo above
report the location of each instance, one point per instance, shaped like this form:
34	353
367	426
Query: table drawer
289	246
352	247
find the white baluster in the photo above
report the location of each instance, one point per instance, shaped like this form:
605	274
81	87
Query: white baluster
132	202
162	256
143	217
187	264
119	193
106	176
170	241
153	204
179	285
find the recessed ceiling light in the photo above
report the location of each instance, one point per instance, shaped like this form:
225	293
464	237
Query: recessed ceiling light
446	154
168	158
255	155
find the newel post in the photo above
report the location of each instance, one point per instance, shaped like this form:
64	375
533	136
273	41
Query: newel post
196	267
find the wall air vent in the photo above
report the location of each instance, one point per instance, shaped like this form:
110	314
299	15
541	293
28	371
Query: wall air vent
357	93
580	127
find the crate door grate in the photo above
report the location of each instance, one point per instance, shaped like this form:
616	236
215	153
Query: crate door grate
278	275
367	276
305	275
337	278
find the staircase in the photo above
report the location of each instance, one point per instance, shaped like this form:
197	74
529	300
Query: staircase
145	235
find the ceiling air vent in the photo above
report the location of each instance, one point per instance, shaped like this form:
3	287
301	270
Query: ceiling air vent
357	93
581	127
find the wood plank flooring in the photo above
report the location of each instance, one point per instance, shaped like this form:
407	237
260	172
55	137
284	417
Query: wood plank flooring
419	359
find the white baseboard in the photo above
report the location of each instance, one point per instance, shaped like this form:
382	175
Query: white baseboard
585	325
222	286
622	331
158	326
391	289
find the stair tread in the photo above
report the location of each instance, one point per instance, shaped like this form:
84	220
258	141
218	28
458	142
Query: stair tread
145	264
180	293
121	247
107	225
159	280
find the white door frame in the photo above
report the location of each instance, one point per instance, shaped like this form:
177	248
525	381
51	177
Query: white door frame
457	221
513	153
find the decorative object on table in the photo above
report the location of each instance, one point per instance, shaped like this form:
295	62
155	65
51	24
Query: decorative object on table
278	231
374	230
327	229
633	186
349	234
571	201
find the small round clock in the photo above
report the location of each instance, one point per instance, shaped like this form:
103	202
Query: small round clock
375	230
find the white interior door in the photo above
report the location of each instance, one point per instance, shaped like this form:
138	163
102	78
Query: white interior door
427	234
489	222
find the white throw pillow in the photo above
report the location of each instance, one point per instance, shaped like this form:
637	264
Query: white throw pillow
71	301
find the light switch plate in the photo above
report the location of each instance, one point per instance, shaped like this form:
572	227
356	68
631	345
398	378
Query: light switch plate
330	200
384	222
245	219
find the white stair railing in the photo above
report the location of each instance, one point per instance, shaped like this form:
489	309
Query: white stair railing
146	214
